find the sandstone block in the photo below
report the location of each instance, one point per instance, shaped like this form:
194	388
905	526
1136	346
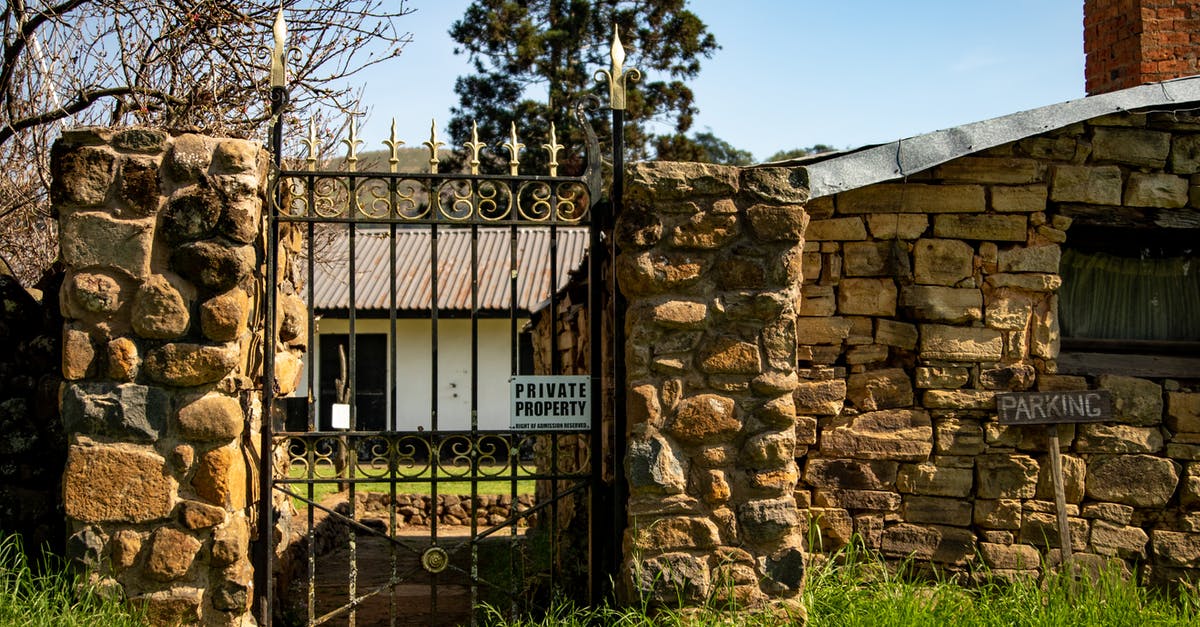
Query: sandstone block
1164	191
903	435
1002	476
945	545
220	477
942	261
880	389
124	548
96	239
1023	199
942	376
769	449
1183	412
190	157
930	480
680	314
159	311
777	223
1131	146
729	355
1074	472
836	229
176	606
934	303
874	500
867	297
869	258
186	365
704	231
139	187
1137	480
231	541
223	317
288	368
1030	259
1008	377
197	515
936	511
785	185
766	520
78	354
959	399
704	418
1185	154
671	578
999	170
116	484
740	273
85	174
1028	281
835	527
1136	401
806	430
1094	185
171	553
123	359
989	227
820	398
998	514
144	140
676	532
850	474
912	198
897	226
893	333
818	300
1118	540
955	436
822	330
211	418
1010	556
1111	512
952	343
1110	438
1041	529
1177	549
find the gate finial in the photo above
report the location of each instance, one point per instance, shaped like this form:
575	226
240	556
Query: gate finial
393	145
474	146
432	145
279	52
311	144
514	150
352	141
618	74
553	147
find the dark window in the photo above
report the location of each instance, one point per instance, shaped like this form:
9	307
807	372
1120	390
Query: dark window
371	374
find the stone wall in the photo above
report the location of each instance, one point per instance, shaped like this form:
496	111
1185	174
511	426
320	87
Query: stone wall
161	363
922	299
33	446
710	262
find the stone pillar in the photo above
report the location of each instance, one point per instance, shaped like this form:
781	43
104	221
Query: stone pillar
158	237
710	263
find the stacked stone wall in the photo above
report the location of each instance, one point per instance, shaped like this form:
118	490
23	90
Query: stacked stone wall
161	360
924	298
710	262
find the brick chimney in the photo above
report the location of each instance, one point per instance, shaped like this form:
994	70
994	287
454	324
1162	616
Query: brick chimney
1133	42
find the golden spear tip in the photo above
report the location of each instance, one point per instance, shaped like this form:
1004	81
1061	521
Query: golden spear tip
279	54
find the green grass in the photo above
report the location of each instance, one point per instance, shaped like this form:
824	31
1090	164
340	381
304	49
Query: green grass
857	589
53	596
490	484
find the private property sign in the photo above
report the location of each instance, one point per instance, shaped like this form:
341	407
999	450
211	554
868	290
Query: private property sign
1043	408
550	403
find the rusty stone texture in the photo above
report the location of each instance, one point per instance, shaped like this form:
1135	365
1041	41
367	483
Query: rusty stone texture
113	483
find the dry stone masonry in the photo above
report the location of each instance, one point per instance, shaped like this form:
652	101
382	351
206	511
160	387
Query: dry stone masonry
710	263
923	299
160	361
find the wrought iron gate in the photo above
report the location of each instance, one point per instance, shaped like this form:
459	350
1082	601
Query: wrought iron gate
395	491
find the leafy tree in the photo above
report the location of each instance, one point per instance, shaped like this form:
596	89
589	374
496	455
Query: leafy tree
521	47
794	153
702	147
174	63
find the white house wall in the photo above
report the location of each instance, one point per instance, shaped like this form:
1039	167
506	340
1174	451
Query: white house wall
412	370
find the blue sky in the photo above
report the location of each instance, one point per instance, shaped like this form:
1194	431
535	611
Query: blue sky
797	73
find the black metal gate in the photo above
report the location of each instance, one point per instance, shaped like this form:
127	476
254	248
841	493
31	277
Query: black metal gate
397	489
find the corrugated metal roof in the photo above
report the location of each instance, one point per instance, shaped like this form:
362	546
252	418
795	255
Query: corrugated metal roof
837	172
414	285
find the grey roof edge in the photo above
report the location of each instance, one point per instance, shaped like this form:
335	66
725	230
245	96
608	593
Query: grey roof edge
876	164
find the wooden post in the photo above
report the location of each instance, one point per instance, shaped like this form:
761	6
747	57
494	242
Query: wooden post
1060	496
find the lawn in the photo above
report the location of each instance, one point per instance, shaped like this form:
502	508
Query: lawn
491	480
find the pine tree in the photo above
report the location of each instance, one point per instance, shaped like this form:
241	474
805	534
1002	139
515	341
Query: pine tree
534	58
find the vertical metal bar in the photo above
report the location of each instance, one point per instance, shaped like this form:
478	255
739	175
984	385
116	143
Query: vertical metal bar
514	584
392	389
435	441
350	444
311	445
555	369
597	560
620	484
264	549
474	507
